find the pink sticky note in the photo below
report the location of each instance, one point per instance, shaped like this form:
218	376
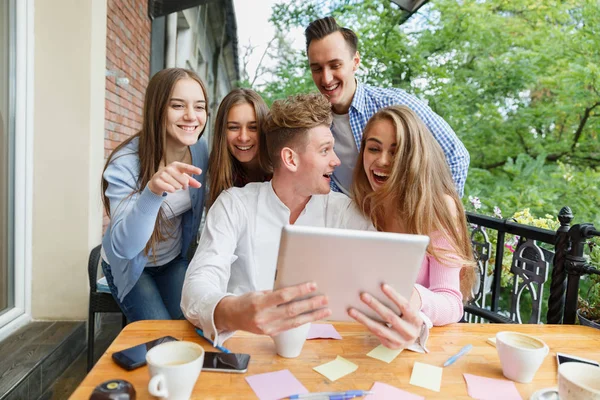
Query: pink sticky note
383	391
483	388
322	331
275	385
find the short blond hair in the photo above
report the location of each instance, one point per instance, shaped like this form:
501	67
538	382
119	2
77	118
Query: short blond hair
290	119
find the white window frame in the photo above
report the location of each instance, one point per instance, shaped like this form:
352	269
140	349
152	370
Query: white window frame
20	314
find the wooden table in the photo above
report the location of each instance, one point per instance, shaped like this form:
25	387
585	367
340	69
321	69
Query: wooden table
357	342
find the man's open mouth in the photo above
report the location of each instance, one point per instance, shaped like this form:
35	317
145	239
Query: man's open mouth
328	90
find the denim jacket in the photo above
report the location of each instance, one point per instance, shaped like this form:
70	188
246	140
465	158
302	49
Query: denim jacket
133	215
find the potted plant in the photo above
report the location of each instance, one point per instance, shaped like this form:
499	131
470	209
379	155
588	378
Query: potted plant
589	308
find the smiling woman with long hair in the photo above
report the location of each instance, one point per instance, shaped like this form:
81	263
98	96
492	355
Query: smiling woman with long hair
239	155
403	183
153	192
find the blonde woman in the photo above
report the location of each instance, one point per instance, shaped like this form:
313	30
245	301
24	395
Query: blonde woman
403	183
239	155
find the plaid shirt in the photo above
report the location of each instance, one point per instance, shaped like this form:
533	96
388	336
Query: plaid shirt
369	99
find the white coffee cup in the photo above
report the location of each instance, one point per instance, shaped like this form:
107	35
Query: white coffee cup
289	343
578	381
520	355
174	369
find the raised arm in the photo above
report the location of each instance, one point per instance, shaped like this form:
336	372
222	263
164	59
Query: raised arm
457	156
133	214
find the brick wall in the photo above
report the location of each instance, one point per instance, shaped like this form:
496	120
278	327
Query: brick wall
127	53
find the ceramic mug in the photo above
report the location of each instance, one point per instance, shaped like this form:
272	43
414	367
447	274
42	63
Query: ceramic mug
289	343
520	355
578	381
174	369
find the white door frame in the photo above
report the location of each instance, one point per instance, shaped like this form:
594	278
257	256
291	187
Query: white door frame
23	168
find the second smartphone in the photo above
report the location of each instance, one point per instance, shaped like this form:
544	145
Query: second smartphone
135	357
226	362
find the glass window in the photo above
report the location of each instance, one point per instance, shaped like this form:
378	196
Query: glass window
6	156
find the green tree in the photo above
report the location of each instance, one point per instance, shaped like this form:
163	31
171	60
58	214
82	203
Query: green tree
517	80
511	77
291	74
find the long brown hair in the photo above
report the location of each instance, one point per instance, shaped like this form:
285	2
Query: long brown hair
417	187
223	167
153	137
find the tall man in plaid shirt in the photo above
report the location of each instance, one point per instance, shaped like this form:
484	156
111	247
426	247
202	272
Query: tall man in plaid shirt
333	59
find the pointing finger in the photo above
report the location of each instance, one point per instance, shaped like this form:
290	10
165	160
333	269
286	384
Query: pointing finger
190	169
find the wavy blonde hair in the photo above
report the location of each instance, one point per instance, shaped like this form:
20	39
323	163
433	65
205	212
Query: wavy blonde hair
418	180
223	167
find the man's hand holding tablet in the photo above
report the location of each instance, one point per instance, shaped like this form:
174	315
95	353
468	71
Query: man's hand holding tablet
270	312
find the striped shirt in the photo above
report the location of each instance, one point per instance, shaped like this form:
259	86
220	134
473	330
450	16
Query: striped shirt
369	99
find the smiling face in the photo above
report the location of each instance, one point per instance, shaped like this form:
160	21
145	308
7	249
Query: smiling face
242	133
333	65
317	162
186	113
379	152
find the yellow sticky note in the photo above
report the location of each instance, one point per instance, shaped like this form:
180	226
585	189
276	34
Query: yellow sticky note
334	370
426	376
491	341
384	354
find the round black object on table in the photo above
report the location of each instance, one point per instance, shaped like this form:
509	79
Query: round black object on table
115	389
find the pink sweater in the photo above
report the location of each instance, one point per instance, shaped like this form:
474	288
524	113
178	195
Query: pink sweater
439	287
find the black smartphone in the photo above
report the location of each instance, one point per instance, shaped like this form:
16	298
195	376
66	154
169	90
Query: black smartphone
135	357
226	362
563	358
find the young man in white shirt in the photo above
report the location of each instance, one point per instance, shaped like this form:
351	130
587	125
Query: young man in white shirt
228	285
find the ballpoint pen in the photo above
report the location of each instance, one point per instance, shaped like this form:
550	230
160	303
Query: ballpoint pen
223	349
349	394
461	353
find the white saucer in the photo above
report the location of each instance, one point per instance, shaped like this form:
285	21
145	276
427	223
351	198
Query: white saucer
545	394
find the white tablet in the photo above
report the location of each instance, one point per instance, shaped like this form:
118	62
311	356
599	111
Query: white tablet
345	263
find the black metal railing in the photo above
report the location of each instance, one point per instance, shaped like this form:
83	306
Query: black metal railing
530	265
576	266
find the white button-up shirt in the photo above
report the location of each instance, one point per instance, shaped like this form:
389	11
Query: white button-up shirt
239	246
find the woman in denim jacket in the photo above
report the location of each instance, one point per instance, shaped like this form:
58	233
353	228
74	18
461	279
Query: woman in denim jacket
153	192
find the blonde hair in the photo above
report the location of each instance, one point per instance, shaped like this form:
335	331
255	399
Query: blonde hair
223	167
290	119
416	187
